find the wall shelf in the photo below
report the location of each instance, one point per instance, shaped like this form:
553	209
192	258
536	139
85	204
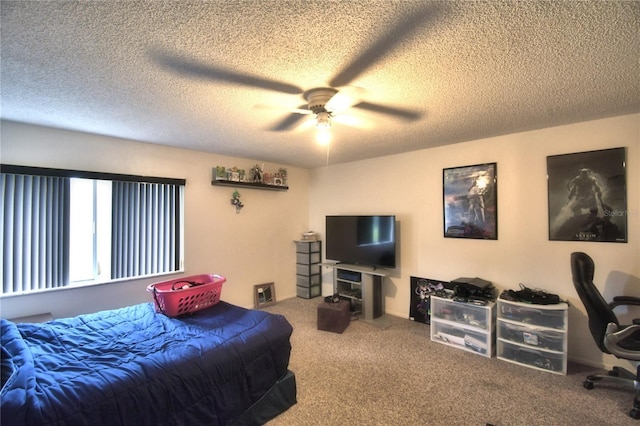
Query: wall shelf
250	185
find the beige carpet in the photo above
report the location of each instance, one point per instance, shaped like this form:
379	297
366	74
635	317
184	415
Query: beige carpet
397	376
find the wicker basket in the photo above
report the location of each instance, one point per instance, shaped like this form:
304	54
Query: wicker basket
186	295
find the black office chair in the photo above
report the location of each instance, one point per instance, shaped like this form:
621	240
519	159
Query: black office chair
622	341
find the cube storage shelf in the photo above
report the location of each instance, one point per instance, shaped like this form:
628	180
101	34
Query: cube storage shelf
463	325
362	286
308	269
348	286
534	336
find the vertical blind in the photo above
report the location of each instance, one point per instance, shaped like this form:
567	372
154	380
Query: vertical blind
35	232
145	225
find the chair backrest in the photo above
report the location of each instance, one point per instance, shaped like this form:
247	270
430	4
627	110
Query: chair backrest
598	310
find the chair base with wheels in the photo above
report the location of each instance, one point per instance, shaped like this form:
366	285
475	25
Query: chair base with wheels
620	377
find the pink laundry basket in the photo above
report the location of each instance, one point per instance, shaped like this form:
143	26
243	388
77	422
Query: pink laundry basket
186	295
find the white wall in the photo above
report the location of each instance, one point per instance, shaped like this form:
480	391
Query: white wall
410	186
253	247
256	245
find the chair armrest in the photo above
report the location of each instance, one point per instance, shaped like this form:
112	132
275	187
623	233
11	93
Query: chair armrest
625	300
614	335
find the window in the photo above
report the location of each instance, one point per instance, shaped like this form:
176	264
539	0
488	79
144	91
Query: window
66	228
90	231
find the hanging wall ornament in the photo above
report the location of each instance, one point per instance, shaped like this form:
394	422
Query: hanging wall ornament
235	200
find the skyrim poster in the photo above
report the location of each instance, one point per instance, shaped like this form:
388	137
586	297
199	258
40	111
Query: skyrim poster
587	196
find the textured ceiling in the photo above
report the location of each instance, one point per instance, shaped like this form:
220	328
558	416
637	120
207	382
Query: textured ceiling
219	76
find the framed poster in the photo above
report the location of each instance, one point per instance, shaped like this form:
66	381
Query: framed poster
421	291
588	196
264	295
471	202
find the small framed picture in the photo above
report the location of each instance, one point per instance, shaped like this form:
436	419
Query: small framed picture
471	202
264	295
588	196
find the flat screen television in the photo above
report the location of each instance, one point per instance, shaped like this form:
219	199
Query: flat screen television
362	240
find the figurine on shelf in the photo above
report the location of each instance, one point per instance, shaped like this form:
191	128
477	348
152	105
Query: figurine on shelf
235	200
256	174
221	172
234	174
282	173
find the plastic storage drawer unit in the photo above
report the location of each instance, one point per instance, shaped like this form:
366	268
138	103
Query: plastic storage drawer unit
462	338
308	269
533	335
307	246
463	325
549	316
532	357
461	312
308	292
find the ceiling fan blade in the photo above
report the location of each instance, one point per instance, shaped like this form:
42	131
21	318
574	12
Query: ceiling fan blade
385	44
302	109
212	72
396	112
290	121
345	98
353	121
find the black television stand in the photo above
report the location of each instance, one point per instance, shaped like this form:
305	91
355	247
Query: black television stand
362	286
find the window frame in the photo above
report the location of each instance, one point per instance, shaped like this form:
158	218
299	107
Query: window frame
83	174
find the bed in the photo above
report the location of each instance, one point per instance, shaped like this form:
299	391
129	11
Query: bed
224	365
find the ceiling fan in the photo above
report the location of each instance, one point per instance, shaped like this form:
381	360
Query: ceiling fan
322	102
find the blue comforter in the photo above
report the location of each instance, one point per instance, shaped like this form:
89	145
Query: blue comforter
132	366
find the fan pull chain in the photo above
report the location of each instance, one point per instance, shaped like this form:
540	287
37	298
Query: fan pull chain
328	153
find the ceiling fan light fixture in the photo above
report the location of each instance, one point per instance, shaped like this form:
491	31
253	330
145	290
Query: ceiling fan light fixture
323	136
323	120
